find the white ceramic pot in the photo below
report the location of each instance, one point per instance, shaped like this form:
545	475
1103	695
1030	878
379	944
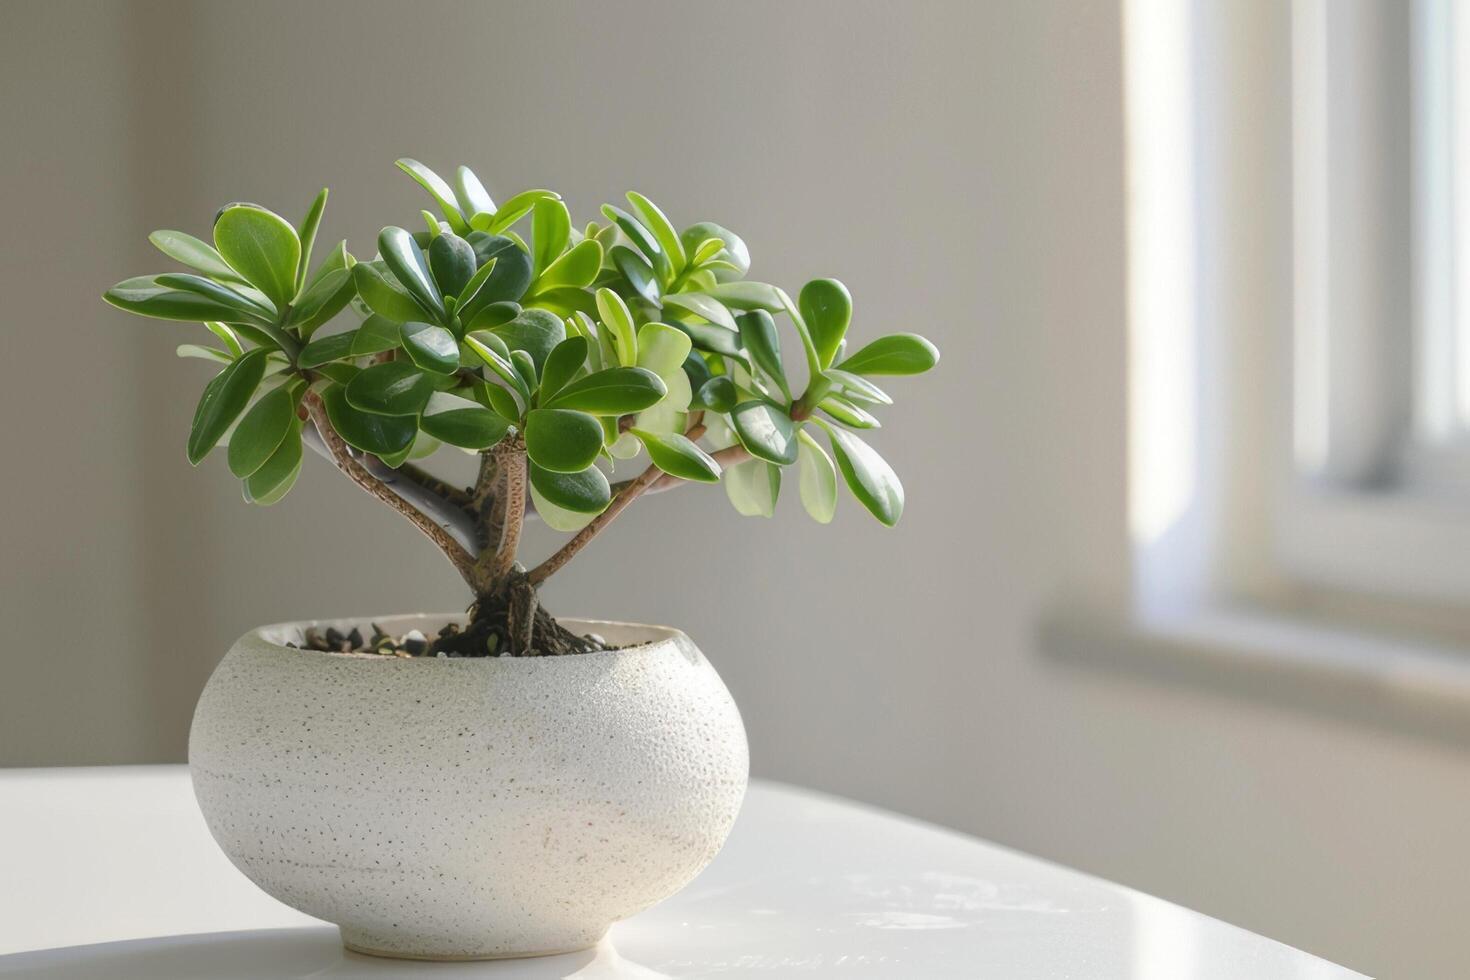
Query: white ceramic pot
474	808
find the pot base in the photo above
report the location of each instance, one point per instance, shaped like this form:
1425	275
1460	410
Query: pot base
354	941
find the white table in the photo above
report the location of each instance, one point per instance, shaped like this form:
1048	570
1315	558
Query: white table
110	873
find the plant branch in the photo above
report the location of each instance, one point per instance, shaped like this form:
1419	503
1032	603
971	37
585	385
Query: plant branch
630	492
505	494
729	456
359	473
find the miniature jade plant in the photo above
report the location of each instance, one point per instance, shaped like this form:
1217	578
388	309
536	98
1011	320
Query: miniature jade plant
557	355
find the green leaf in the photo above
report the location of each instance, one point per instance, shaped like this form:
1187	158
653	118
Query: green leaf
261	431
562	365
551	229
848	414
701	305
717	340
478	280
577	267
537	332
616	391
381	435
377	334
402	256
200	256
662	349
203	353
871	480
766	430
562	441
224	333
514	210
494	315
658	223
615	316
643	239
586	492
488	348
637	271
747	296
734	251
261	246
306	234
143	296
826	306
221	294
431	347
716	395
394	388
858	388
898	353
564	301
753	487
439	191
453	263
383	297
557	518
322	300
525	368
503	401
270	482
510	278
679	456
224	398
462	422
758	334
818	479
327	349
471	195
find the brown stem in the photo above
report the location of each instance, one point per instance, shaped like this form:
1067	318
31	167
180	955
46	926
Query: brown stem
461	559
507	516
630	492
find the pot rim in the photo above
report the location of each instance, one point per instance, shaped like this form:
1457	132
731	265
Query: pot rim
648	637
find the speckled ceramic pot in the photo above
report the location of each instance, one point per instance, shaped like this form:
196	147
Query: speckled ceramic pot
467	809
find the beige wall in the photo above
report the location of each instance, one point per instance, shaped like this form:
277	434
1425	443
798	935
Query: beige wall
959	165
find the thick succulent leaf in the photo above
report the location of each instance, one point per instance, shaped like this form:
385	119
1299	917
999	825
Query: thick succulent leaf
203	353
224	398
558	518
551	230
818	479
758	334
826	306
643	239
753	487
322	300
747	295
662	349
576	267
716	340
679	456
562	365
261	429
657	223
377	334
396	388
510	278
766	430
306	234
470	194
431	347
671	412
197	255
383	297
514	210
502	401
898	353
564	301
857	387
849	414
735	253
462	422
439	191
494	315
327	349
586	492
871	480
472	288
638	272
220	293
537	332
616	391
453	263
270	482
403	257
561	440
701	305
716	395
492	350
619	323
262	247
226	334
381	435
143	296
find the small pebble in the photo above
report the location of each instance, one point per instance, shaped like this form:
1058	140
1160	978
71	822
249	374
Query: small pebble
354	639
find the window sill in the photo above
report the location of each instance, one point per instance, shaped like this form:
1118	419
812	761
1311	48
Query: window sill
1347	675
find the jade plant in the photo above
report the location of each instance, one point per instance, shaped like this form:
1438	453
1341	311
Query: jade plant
556	355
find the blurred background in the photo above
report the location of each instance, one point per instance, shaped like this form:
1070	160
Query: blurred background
1179	596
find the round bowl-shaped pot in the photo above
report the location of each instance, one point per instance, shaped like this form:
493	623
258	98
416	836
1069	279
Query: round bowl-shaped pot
468	808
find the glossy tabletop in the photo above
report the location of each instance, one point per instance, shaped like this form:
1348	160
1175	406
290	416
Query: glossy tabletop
111	873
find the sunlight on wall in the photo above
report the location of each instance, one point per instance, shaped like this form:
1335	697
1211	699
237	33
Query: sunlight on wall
1162	412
